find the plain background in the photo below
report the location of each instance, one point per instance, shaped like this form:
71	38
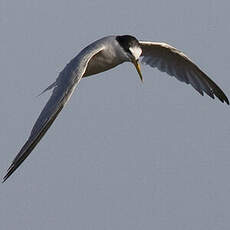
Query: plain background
121	155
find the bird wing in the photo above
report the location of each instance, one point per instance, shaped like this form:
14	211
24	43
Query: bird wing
63	89
174	62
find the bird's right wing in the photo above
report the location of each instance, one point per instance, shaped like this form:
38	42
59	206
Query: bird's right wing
168	59
63	89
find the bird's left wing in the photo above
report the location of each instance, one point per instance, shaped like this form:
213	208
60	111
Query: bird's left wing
63	89
172	61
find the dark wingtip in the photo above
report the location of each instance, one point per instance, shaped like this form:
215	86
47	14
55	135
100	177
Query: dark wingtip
10	170
30	145
5	178
216	90
227	101
222	97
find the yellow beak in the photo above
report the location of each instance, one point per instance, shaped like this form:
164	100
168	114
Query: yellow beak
138	68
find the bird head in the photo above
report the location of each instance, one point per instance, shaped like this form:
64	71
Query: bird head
132	49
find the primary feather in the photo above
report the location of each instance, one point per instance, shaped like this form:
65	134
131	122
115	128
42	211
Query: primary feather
174	62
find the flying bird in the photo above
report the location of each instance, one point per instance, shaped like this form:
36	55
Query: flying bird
102	55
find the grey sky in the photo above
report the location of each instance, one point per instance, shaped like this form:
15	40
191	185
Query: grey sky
121	155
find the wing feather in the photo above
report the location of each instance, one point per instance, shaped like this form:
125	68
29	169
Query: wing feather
63	89
172	61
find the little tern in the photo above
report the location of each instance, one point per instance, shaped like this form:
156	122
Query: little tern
103	55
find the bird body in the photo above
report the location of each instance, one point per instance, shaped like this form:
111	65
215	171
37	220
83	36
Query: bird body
109	57
102	55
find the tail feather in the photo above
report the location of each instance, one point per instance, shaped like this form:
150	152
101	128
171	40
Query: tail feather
48	88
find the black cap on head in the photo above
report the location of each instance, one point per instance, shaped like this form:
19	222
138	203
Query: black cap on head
127	41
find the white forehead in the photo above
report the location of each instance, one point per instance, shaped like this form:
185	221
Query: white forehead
136	51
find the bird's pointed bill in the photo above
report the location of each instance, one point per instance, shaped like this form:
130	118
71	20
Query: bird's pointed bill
138	68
